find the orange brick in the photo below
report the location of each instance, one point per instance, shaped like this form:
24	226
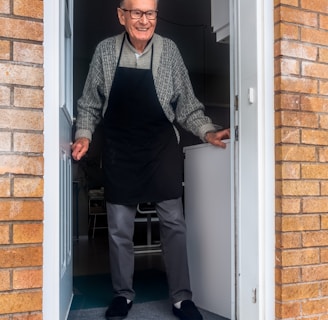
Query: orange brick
323	22
324	288
21	75
288	171
323	154
28	187
289	240
295	84
21	164
5	184
28	316
324	255
21	302
324	188
297	16
5	141
314	137
323	87
4	280
27	52
17	257
288	135
298	50
291	206
289	310
314	5
314	104
4	234
289	2
286	31
314	171
32	8
315	70
314	36
315	205
288	66
295	153
323	54
317	306
287	101
4	6
323	121
290	275
21	29
4	49
21	210
28	142
28	98
299	257
300	223
324	222
4	96
21	120
315	239
27	233
299	291
299	119
27	279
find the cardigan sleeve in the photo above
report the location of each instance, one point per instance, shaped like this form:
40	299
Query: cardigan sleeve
189	110
90	105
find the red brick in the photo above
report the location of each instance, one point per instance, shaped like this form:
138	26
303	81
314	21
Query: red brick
315	239
315	137
314	36
4	234
317	306
299	291
314	104
5	184
299	257
315	5
315	70
4	96
297	85
5	280
297	16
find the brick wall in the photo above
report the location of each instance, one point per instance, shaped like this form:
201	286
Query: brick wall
301	84
21	159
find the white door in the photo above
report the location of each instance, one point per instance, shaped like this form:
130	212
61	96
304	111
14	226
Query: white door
58	287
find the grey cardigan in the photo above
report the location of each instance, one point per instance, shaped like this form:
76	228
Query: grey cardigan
172	84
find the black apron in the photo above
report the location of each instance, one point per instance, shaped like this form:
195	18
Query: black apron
142	159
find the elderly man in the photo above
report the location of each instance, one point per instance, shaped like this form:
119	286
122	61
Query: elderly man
138	84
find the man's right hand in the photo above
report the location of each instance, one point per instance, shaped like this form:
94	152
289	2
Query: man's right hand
80	148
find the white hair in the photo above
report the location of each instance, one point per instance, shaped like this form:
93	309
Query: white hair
122	2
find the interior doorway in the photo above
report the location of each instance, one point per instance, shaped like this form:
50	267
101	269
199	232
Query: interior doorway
186	22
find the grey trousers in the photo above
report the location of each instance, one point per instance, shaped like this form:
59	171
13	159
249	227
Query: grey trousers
173	241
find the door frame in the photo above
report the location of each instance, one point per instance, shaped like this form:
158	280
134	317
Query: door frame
265	170
53	98
254	152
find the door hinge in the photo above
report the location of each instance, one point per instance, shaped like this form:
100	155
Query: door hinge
236	103
254	297
236	133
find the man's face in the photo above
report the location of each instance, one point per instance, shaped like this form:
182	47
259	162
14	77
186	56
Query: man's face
140	30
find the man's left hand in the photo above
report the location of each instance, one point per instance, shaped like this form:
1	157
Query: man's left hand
215	138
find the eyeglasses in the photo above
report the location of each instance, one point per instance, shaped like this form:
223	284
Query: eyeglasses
138	14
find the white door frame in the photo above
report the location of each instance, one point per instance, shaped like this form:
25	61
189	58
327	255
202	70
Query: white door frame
252	33
265	169
53	98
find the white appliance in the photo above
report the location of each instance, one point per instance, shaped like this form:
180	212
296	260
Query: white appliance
208	219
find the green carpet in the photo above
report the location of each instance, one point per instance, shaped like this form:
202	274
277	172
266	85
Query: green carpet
95	291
